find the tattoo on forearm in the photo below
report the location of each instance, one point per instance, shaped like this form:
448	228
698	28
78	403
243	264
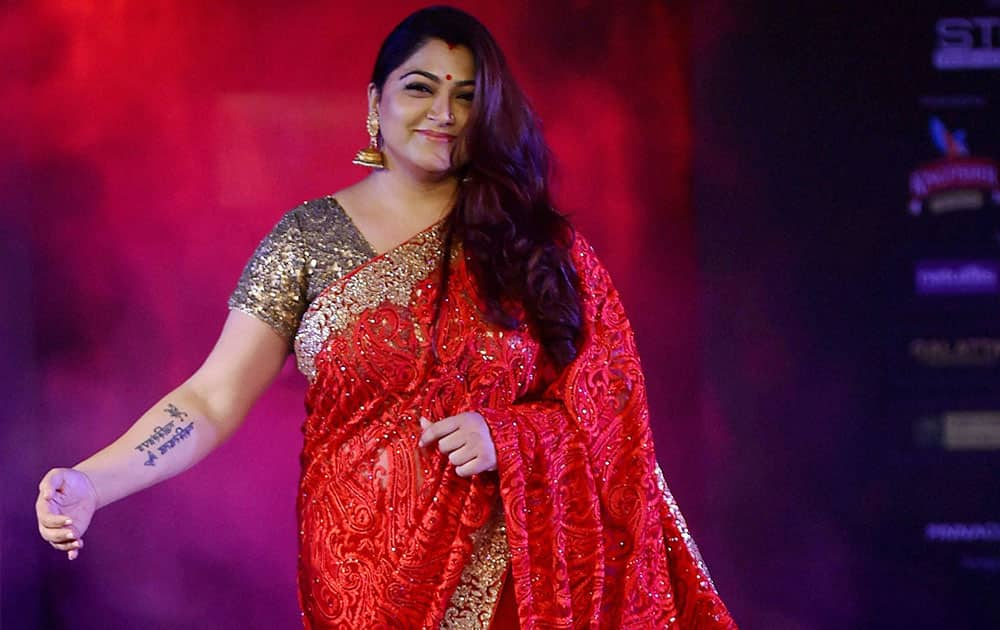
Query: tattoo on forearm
168	433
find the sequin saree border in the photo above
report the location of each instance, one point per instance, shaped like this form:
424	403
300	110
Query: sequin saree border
390	277
475	598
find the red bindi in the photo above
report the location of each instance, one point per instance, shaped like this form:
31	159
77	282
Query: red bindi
448	77
452	46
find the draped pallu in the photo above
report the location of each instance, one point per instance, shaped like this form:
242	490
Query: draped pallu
578	514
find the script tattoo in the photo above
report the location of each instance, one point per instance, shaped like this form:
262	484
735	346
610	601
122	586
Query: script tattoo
174	412
171	433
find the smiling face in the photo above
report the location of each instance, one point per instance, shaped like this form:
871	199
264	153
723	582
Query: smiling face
423	106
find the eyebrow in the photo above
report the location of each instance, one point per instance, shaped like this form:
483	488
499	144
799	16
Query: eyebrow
435	78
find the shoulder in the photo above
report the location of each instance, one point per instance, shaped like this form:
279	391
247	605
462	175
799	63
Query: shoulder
316	220
579	246
310	213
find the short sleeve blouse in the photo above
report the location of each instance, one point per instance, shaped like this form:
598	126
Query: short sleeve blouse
312	246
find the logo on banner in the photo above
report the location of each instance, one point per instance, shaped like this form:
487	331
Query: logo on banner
957	181
983	352
959	431
962	532
967	43
957	277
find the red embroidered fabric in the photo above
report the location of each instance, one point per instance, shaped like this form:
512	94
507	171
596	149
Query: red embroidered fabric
596	539
391	536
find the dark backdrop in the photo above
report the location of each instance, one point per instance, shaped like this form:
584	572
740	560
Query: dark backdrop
808	121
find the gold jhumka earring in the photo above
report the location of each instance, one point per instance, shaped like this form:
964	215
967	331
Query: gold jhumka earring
370	156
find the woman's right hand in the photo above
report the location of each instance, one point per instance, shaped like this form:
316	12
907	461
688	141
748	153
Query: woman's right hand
214	400
66	503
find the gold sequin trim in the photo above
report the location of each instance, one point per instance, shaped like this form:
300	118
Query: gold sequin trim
475	599
311	247
390	277
675	512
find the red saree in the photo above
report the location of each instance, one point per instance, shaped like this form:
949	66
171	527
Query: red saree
578	515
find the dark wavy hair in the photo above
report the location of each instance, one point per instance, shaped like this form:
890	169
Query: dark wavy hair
516	242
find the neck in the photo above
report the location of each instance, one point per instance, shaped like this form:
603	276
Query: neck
399	192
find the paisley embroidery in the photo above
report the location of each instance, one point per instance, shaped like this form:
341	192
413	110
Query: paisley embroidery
390	536
595	539
389	278
388	532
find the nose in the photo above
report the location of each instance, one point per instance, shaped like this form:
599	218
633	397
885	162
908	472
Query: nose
441	110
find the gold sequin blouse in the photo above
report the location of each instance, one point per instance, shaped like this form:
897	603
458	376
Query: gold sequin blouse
312	246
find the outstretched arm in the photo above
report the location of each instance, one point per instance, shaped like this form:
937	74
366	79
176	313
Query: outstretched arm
173	435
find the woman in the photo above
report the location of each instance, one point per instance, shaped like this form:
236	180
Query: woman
477	450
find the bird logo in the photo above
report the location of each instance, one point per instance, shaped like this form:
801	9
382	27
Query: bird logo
951	143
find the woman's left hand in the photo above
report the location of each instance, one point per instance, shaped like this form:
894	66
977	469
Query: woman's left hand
465	439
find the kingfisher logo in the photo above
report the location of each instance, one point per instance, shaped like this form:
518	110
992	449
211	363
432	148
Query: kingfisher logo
957	181
957	277
967	43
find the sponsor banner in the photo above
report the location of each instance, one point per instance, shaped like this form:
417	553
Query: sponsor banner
957	277
940	511
960	431
967	43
